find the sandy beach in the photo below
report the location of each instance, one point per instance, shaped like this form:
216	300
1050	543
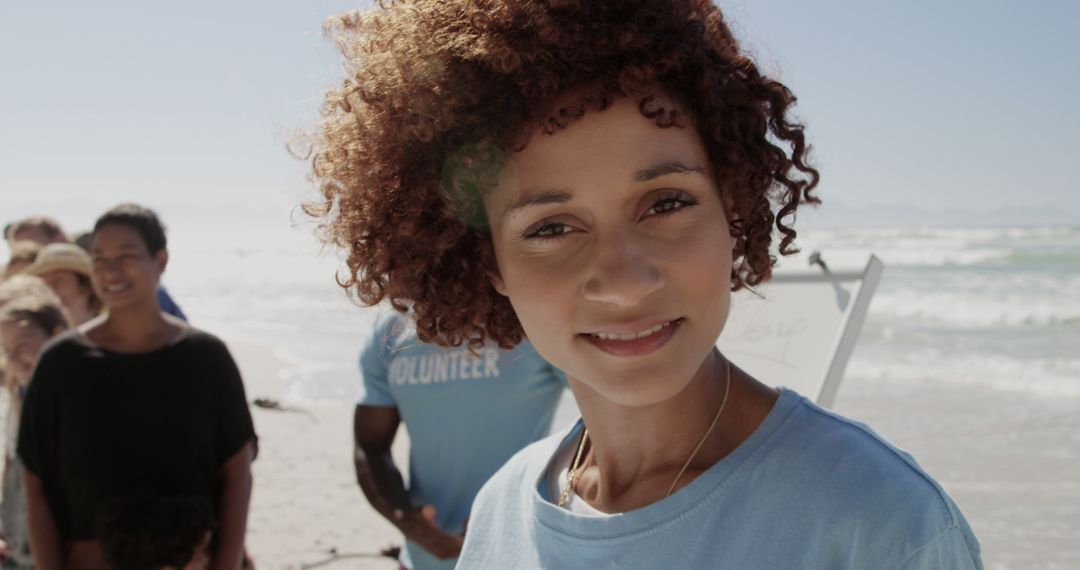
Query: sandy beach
307	511
1011	461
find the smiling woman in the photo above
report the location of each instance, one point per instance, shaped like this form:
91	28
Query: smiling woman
134	401
599	177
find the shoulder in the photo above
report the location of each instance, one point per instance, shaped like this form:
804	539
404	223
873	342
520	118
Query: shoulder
525	357
524	353
63	347
200	337
391	329
202	349
59	360
196	339
845	467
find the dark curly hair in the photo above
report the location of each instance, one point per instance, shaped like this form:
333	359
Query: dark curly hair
437	92
145	529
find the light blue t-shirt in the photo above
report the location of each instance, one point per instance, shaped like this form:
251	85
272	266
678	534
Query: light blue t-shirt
466	415
808	489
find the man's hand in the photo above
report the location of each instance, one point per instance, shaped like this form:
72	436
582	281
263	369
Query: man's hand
419	526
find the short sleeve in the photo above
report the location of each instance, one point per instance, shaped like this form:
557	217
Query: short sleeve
954	549
38	438
234	427
375	363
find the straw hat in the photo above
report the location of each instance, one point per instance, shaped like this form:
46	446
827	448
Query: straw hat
60	256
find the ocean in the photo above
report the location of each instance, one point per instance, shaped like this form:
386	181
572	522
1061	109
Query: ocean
995	307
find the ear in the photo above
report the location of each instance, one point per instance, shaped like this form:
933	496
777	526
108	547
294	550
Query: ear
497	282
162	259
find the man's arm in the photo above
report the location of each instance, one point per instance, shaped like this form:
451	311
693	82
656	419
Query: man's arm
374	429
44	537
236	484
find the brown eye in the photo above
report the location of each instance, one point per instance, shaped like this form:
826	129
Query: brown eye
548	231
671	202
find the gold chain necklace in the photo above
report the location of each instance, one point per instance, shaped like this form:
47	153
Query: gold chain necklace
576	468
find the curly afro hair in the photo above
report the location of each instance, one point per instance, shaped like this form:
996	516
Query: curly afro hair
145	529
438	91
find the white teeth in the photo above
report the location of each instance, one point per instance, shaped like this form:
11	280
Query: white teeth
116	288
642	334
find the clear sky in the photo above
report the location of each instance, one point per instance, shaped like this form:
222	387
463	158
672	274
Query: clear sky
960	106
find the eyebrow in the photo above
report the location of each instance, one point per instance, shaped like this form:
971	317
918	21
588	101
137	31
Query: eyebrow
538	199
665	168
132	246
545	197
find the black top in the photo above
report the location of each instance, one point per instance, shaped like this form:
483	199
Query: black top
97	425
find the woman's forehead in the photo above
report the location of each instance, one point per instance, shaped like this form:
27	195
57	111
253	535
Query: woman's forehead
617	141
118	236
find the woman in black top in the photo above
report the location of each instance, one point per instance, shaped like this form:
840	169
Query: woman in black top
133	401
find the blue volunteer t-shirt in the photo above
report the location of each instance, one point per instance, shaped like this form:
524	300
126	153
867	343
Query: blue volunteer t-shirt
809	489
466	415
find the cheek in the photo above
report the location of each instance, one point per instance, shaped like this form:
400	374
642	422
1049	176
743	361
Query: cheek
702	269
70	286
535	295
542	299
23	364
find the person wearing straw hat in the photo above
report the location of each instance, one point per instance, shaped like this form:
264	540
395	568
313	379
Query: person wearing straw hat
66	268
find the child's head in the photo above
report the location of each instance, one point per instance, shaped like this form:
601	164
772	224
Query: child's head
40	229
23	254
147	530
26	324
446	104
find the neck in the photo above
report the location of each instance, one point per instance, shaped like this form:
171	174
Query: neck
135	329
636	453
80	312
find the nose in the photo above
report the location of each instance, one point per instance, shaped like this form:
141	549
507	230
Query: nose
623	273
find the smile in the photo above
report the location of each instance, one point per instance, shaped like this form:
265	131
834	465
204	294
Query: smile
117	288
640	343
632	336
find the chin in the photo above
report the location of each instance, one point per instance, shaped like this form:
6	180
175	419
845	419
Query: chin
642	387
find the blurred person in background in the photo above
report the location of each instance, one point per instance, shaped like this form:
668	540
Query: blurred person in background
26	324
40	229
14	288
83	240
145	530
66	268
448	399
136	400
23	254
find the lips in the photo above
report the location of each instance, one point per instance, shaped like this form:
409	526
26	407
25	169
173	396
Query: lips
116	288
642	341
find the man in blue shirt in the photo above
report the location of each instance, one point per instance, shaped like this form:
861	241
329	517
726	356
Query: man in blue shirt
466	413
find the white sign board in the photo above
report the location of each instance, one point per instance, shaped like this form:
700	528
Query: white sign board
798	331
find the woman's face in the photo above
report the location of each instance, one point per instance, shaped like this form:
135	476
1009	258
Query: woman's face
22	342
74	295
613	248
125	272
